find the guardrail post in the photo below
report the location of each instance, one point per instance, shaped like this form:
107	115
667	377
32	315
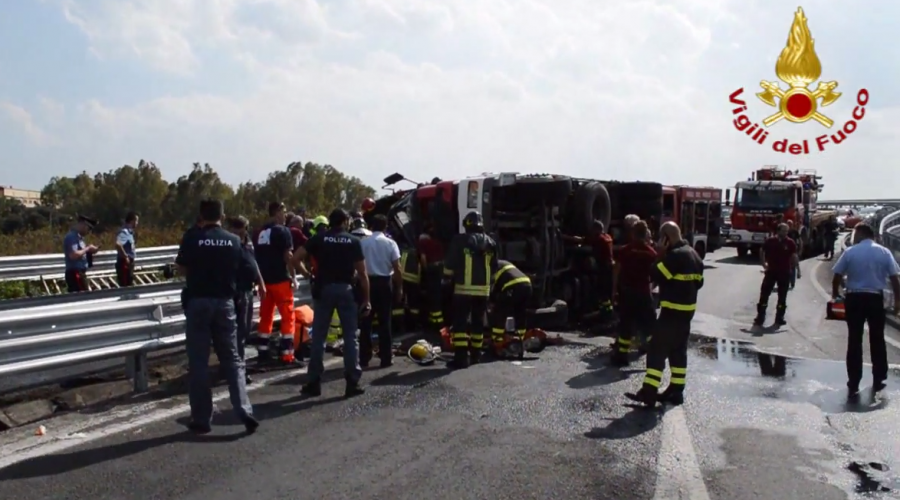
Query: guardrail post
136	366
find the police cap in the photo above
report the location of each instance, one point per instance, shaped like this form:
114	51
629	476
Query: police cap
89	222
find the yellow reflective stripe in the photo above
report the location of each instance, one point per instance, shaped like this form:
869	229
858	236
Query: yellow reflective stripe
448	271
409	277
678	371
477	290
403	256
677	307
651	381
503	270
467	278
688	277
654	373
624	341
665	272
498	330
676	380
414	311
523	279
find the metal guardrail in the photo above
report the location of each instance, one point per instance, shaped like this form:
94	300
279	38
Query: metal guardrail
54	336
28	267
852	202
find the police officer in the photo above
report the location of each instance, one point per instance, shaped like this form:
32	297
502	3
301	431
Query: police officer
679	274
78	255
470	260
125	251
247	279
339	257
212	259
411	270
509	298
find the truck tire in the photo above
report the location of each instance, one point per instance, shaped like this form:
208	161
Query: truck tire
552	189
591	202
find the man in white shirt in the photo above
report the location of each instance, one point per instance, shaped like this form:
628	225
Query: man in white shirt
386	285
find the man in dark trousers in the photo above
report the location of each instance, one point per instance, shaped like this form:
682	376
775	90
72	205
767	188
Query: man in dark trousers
382	256
247	279
274	254
679	274
339	257
794	235
832	231
637	313
78	254
470	263
510	295
212	259
407	316
431	258
867	267
779	260
125	251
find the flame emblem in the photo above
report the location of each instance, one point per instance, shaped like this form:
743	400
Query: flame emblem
798	66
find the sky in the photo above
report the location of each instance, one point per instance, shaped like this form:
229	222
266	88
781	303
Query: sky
608	90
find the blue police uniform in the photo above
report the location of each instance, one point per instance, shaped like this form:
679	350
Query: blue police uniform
125	263
76	269
214	259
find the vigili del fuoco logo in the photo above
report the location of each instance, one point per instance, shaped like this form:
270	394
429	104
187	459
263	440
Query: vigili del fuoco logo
798	66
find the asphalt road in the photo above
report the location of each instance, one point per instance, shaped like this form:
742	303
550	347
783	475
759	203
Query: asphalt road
755	426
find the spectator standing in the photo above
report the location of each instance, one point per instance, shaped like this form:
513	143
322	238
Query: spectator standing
212	259
339	257
382	256
794	235
779	260
78	254
274	255
867	267
125	251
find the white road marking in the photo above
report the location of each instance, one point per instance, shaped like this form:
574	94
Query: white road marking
827	297
115	422
678	474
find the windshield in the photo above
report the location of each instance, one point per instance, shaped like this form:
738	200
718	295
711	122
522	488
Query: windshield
763	199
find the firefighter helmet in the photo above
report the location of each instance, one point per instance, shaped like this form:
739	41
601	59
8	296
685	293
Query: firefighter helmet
368	205
422	353
319	221
358	228
473	222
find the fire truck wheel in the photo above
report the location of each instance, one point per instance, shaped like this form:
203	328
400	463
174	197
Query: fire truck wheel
700	247
591	202
553	189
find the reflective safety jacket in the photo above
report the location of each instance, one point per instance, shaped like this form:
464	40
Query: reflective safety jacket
409	265
469	262
679	275
508	275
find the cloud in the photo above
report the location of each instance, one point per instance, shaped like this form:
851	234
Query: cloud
619	90
24	122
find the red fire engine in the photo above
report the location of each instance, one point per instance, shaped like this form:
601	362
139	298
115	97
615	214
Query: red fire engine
773	195
698	211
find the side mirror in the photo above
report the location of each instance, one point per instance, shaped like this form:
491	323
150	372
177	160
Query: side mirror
727	197
393	179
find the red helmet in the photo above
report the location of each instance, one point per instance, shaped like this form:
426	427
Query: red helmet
368	205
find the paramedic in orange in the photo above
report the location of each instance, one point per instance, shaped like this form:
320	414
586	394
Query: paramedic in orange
274	253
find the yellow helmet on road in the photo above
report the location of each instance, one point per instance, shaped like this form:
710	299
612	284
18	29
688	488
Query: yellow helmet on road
422	353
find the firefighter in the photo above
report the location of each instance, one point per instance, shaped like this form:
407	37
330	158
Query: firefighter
411	270
469	262
431	257
636	309
679	274
320	223
779	260
358	228
509	298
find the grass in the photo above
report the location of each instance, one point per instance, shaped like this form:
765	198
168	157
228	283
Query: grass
45	241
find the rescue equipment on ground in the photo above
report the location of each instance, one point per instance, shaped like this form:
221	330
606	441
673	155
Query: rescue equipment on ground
835	309
423	353
535	340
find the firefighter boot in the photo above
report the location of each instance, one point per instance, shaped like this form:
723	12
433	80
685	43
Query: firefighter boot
647	396
779	315
760	315
672	396
460	359
474	356
619	359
